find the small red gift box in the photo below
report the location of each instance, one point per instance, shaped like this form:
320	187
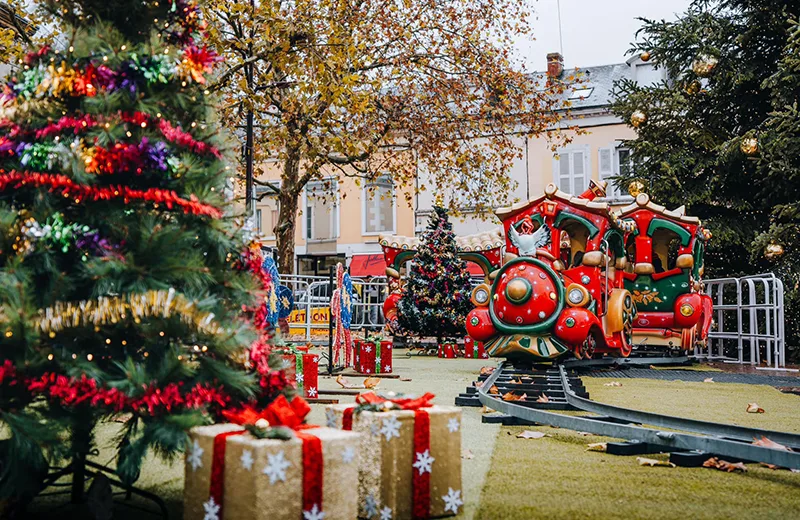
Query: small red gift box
374	357
474	349
303	370
448	351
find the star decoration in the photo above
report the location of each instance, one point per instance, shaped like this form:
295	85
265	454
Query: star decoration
276	467
424	462
367	349
299	379
452	500
311	391
387	368
247	460
330	418
386	513
371	506
348	455
391	428
314	514
453	425
212	510
195	457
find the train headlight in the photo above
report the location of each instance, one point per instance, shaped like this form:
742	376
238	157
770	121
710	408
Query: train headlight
687	310
577	295
480	295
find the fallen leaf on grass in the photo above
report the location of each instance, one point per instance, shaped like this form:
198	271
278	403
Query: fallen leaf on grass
543	399
529	434
754	408
344	383
654	462
708	380
511	396
613	383
467	454
485	371
372	382
724	465
597	446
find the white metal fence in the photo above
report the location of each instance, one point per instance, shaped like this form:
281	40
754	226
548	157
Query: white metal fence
748	326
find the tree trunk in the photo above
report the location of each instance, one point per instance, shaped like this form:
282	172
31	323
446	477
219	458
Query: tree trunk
287	212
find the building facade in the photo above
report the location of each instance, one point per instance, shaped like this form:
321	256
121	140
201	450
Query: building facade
339	221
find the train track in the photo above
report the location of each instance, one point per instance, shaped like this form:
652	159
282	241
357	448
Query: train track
698	440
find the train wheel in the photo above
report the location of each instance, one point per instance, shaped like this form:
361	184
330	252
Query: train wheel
688	337
626	334
587	348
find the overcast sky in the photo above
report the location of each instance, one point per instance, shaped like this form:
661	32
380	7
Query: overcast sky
594	32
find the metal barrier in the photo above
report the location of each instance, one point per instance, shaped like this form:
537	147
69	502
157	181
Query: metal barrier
748	322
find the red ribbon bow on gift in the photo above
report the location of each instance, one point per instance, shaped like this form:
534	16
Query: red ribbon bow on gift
280	412
404	403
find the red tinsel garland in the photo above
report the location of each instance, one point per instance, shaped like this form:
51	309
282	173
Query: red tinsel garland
16	179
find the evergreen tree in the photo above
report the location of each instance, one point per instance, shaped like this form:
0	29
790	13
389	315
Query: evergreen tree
119	288
720	134
436	296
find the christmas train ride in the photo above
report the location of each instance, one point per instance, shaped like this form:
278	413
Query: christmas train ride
567	284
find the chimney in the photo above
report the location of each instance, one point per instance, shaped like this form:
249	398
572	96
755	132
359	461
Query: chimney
555	65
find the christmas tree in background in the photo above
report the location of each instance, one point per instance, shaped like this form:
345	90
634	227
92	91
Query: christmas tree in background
722	135
436	296
121	277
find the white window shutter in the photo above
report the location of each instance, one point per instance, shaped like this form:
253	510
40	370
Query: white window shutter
557	159
605	167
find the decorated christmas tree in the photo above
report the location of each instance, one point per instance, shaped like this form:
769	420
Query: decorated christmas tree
435	299
122	281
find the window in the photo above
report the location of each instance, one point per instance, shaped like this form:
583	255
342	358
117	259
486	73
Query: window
571	169
378	207
267	209
612	162
322	210
581	93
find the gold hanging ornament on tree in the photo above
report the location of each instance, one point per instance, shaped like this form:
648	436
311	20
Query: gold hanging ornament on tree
704	64
645	56
635	188
637	118
749	145
692	87
773	251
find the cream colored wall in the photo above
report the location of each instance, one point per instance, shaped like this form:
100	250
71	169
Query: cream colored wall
540	158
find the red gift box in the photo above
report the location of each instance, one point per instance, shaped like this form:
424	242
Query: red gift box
374	357
474	349
303	370
448	351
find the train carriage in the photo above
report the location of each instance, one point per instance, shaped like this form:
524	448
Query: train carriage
665	250
560	289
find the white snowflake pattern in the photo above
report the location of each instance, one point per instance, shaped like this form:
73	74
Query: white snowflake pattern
378	362
386	513
330	418
311	391
247	460
315	359
195	457
453	425
315	513
348	455
391	428
285	363
388	346
367	349
212	510
276	467
424	462
371	506
452	500
299	378
387	368
374	430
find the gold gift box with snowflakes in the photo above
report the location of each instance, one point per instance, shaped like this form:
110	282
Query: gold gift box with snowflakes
266	479
409	460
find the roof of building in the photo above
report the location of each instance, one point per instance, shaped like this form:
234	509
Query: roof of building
600	79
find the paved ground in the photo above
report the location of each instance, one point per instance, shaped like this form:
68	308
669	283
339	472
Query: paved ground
445	378
697	375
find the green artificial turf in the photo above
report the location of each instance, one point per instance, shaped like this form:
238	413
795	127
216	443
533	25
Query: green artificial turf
555	477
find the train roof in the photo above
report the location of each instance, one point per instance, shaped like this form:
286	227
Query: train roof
643	201
553	193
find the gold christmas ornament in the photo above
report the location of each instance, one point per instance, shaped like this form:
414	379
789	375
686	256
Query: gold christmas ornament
693	87
704	64
645	56
749	145
773	251
635	188
637	118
